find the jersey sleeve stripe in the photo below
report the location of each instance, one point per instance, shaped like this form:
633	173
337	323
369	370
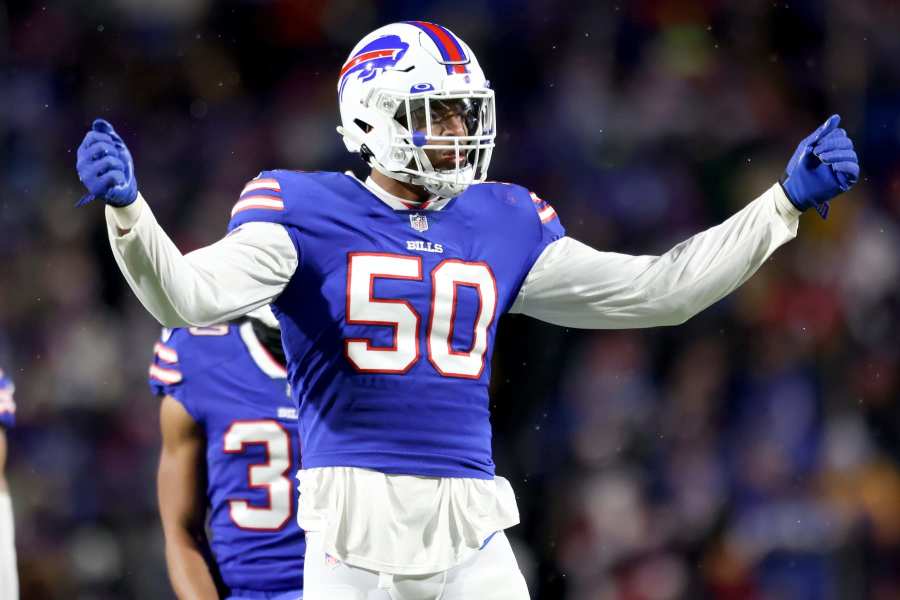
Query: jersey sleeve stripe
547	214
545	211
164	375
263	202
267	184
165	353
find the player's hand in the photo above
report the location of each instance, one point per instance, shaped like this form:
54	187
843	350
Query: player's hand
105	167
823	166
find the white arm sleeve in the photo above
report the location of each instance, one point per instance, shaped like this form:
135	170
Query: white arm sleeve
241	272
9	578
574	285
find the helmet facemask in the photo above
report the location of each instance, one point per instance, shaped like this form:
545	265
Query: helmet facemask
422	153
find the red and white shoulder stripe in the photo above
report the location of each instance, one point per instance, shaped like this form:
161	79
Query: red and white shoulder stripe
545	211
164	375
263	193
266	184
165	353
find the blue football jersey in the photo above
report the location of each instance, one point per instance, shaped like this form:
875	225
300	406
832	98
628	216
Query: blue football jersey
7	402
233	388
389	320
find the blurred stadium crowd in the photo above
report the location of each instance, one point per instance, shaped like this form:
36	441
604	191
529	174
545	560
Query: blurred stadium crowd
749	454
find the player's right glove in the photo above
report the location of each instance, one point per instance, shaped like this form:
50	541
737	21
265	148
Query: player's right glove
105	167
823	166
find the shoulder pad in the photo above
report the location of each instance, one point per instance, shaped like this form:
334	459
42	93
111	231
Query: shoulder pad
165	369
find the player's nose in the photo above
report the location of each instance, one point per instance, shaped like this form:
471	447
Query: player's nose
453	125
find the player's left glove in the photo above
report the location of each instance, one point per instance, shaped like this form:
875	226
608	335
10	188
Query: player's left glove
105	166
823	166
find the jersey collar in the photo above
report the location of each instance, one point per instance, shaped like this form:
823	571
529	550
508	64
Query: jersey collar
260	355
398	203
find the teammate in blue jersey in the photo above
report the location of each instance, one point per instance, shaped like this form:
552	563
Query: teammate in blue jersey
228	457
9	578
389	290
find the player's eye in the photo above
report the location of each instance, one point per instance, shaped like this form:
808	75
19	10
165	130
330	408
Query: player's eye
440	111
471	115
416	115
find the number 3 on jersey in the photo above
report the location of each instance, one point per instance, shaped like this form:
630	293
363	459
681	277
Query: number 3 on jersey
270	476
446	279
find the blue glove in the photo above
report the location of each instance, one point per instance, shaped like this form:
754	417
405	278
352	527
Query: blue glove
823	166
105	167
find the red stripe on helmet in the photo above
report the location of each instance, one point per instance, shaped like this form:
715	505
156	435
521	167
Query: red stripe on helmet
450	45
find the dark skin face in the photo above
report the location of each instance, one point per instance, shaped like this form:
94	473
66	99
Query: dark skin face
447	122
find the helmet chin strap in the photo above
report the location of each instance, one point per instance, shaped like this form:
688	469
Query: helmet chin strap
396	175
437	187
434	185
443	189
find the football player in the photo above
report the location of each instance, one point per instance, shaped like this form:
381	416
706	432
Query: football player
229	451
388	292
9	578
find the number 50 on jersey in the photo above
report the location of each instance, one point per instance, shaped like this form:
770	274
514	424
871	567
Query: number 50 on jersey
364	268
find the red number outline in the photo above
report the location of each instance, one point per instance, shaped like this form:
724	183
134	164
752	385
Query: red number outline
393	324
457	284
268	463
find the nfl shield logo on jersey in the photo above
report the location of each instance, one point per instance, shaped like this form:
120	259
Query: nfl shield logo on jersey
419	222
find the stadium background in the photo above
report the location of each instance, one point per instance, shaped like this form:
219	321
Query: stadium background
749	454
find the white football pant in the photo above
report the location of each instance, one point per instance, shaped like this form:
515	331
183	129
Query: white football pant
491	574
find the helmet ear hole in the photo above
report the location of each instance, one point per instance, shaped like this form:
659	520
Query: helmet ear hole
362	125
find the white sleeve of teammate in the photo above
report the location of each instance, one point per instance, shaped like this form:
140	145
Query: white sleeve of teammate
241	272
574	285
9	578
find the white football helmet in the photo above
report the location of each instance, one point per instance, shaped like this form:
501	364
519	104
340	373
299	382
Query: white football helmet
398	83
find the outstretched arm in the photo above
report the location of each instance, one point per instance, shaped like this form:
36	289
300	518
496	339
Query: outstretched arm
182	502
574	285
237	274
232	277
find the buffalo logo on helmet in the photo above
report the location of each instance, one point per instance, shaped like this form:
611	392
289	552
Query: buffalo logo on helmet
373	59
